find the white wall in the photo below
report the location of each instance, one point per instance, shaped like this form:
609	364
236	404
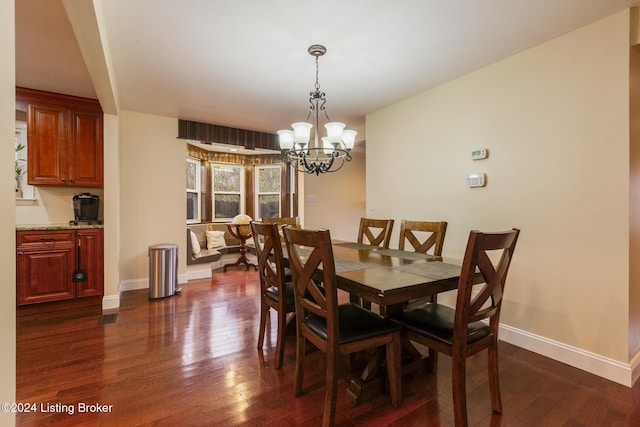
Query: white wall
556	121
7	210
336	200
152	192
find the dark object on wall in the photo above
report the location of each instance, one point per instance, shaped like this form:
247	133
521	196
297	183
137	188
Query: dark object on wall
85	207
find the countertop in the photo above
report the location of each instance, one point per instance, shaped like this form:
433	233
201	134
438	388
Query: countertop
62	226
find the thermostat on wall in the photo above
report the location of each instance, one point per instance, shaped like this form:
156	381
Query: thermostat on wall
476	180
479	154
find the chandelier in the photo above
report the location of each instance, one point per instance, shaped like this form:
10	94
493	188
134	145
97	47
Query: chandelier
327	154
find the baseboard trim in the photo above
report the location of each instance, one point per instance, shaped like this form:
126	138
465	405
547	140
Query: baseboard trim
604	367
110	302
134	284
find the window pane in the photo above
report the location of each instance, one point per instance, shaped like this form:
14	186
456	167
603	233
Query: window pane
226	179
269	205
192	206
226	205
269	180
191	175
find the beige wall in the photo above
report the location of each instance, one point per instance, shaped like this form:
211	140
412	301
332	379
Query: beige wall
7	212
555	119
152	190
336	200
53	205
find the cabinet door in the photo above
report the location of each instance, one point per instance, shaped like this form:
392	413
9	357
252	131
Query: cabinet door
91	261
47	147
45	274
86	149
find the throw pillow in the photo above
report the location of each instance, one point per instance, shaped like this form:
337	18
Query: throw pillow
215	239
195	245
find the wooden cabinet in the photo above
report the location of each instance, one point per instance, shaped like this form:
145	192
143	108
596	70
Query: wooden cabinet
64	139
46	261
91	260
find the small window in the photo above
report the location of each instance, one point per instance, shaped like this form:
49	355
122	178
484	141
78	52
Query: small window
228	191
268	188
193	190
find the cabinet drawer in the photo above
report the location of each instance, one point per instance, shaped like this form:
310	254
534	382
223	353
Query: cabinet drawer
44	239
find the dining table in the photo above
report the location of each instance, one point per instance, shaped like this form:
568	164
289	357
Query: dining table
389	278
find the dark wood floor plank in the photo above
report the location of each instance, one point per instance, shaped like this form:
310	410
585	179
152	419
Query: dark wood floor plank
191	360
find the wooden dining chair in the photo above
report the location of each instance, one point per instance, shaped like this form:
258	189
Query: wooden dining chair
423	235
334	329
285	220
460	332
275	291
377	232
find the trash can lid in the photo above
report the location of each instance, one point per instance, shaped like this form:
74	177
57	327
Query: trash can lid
163	246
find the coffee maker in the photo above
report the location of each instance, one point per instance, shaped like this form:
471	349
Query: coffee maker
85	209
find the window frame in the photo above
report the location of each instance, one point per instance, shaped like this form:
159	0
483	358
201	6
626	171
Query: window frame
195	191
257	188
241	193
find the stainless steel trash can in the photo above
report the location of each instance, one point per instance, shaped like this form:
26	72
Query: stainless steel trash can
163	270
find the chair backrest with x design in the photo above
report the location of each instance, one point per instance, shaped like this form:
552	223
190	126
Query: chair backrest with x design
472	304
268	248
423	235
309	252
377	232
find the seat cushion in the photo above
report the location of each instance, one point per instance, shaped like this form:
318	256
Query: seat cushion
356	323
437	321
272	292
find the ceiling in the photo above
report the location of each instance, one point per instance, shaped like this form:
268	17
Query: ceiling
245	63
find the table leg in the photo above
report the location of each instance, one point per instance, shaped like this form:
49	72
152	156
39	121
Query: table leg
369	383
242	259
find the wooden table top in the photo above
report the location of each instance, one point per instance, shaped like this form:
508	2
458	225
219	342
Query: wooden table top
391	276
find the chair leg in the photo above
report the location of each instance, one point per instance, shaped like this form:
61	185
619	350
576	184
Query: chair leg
331	393
282	332
459	386
264	309
494	379
299	372
394	369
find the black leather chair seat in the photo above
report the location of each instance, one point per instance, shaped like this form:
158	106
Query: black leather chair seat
272	292
436	321
356	323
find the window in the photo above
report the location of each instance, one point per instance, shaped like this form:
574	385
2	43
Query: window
228	191
193	190
268	187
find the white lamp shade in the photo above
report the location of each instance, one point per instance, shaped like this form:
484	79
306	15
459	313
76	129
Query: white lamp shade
334	132
286	139
301	132
349	138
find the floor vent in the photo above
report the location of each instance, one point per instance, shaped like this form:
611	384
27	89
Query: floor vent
108	318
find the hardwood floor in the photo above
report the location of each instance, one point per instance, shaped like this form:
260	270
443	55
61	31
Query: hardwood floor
191	360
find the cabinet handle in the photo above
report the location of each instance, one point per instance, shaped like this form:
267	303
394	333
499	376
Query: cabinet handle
20	253
47	239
